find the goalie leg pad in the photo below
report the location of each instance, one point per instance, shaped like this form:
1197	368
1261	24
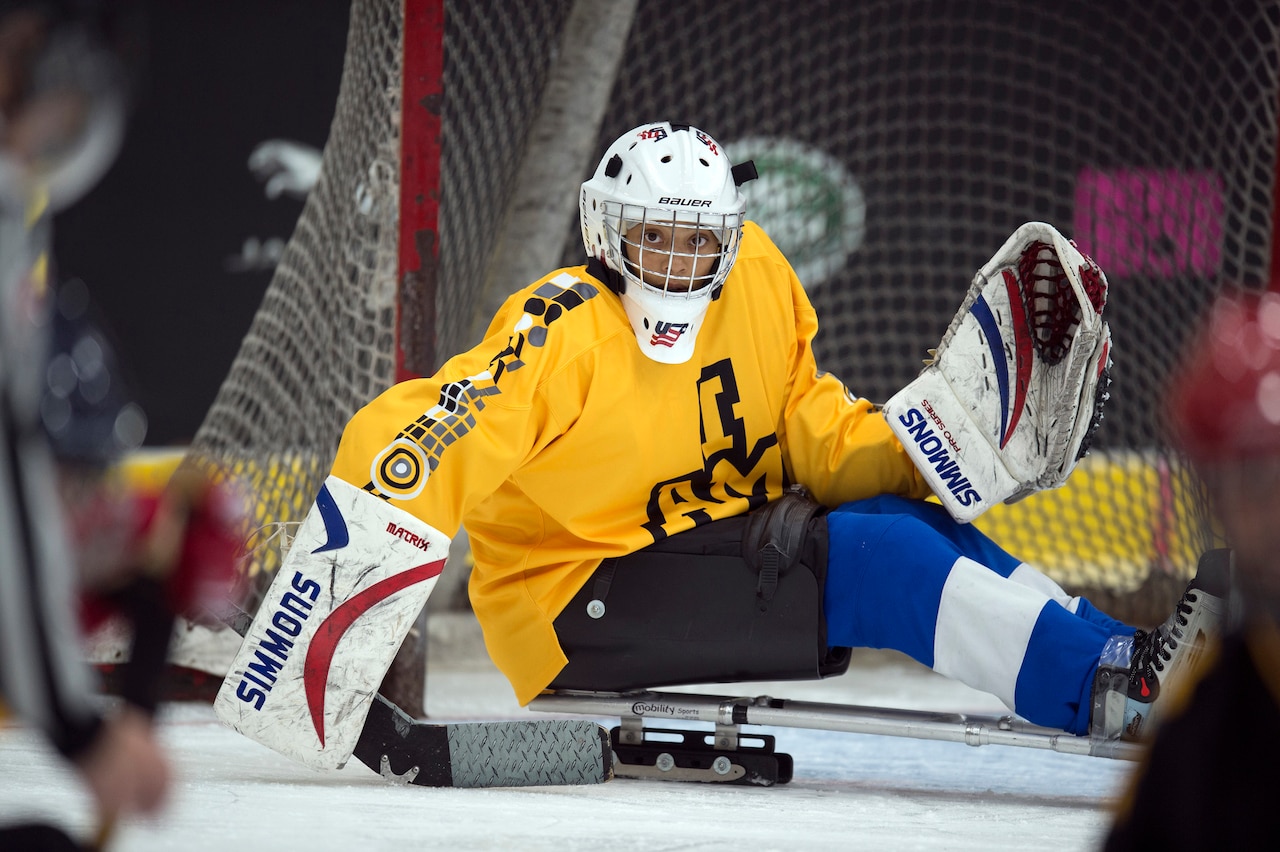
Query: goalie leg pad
359	572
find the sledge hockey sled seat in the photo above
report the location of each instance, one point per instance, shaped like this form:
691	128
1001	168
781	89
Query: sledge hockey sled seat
733	601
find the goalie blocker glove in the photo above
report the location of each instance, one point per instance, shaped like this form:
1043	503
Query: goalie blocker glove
1009	402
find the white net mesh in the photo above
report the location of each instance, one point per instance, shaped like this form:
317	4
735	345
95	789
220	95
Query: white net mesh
899	144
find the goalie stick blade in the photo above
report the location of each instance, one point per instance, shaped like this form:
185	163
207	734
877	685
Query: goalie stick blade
545	752
483	754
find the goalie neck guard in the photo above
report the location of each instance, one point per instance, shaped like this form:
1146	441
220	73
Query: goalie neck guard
663	214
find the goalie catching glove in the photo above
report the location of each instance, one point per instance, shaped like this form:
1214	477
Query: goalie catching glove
1009	402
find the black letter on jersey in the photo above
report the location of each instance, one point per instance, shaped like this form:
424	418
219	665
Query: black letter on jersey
727	458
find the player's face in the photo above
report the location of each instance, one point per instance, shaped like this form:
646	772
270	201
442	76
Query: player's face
673	258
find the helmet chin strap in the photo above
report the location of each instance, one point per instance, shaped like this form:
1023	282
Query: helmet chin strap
612	279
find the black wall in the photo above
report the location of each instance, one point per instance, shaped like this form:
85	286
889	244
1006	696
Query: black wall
160	240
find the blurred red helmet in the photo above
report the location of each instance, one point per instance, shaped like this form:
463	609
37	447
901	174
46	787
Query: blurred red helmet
1223	401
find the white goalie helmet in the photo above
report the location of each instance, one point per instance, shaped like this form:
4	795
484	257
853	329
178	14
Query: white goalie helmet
664	214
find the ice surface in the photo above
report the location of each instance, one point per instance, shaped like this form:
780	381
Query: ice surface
850	791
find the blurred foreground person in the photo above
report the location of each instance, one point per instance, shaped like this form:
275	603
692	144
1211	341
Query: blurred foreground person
57	134
62	423
1209	780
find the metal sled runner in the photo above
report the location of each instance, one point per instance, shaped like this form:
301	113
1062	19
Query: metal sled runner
727	754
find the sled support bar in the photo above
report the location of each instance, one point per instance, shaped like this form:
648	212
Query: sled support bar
728	711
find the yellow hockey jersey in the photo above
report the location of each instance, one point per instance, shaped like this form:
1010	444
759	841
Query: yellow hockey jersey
559	443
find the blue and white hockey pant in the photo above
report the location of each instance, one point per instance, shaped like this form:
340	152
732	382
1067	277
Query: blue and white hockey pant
902	574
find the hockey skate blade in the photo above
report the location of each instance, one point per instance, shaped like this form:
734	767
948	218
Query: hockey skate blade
554	752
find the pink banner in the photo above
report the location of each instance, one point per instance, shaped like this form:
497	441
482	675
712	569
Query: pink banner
1150	221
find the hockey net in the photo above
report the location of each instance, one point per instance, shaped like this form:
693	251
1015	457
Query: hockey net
899	144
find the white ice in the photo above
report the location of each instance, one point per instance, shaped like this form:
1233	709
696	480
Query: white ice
850	791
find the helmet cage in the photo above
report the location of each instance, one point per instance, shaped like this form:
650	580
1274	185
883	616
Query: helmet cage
677	270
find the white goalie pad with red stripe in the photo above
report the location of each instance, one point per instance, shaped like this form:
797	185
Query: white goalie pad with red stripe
1008	404
358	574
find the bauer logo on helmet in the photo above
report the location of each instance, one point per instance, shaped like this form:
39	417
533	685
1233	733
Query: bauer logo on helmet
685	202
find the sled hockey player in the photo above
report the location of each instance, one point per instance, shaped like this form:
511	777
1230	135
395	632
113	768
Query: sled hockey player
1221	405
660	485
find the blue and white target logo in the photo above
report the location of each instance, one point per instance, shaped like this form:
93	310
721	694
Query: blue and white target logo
400	470
807	202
